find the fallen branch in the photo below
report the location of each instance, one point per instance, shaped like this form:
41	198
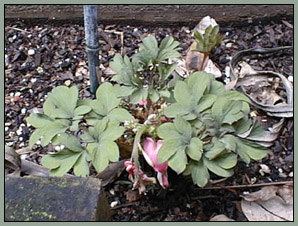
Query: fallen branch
247	185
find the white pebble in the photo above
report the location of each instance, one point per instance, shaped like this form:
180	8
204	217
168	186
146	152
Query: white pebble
32	80
114	203
57	148
38	142
9	144
62	147
264	168
31	52
227	33
135	29
11	94
24	156
112	192
6	129
187	31
17	94
23	111
229	45
21	138
291	174
280	170
291	78
19	132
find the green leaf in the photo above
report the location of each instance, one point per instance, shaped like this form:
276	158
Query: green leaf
182	93
120	114
99	159
178	161
168	131
86	137
183	127
81	167
217	88
214	167
112	132
251	149
50	130
206	102
199	172
175	109
111	150
165	70
82	110
195	148
169	148
227	161
139	95
165	93
124	69
35	136
216	150
243	125
71	142
153	94
106	99
64	99
257	130
38	120
98	128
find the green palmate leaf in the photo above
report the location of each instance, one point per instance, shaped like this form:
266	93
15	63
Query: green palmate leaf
165	70
175	109
169	148
124	69
249	150
82	110
61	162
71	142
198	82
50	130
81	167
227	161
206	102
183	127
61	102
165	93
178	161
243	125
217	88
38	120
182	93
103	153
199	172
153	94
106	99
112	132
168	131
214	167
195	148
168	49
257	130
230	142
236	96
120	114
35	136
139	95
124	91
216	150
87	137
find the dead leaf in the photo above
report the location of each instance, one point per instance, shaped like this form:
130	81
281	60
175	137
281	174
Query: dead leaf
12	161
112	172
273	209
132	195
264	194
272	203
286	193
221	217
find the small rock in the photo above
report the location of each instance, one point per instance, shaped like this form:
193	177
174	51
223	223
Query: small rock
229	45
24	110
31	52
291	174
264	169
67	82
114	203
291	78
17	94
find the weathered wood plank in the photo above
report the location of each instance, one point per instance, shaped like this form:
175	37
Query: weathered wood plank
149	13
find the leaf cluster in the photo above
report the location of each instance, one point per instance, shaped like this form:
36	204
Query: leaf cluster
60	124
208	128
207	41
145	75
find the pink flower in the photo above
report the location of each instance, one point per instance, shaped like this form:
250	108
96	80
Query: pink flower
143	102
150	153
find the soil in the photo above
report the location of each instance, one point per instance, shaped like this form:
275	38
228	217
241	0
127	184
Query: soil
39	57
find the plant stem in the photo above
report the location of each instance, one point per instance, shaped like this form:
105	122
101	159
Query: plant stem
205	55
135	149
